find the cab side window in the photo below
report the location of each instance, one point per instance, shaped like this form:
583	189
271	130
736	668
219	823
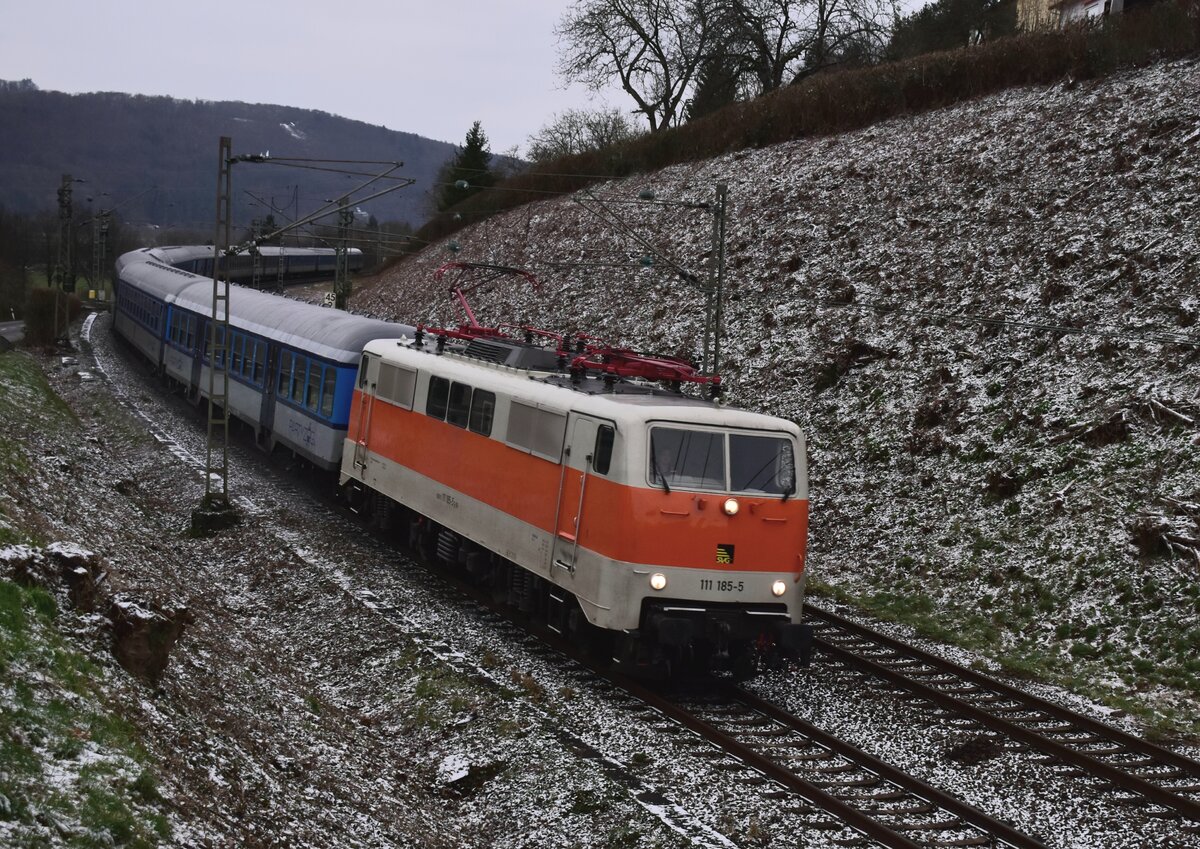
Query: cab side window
602	452
362	370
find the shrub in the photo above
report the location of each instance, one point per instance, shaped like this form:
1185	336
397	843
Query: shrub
838	101
40	315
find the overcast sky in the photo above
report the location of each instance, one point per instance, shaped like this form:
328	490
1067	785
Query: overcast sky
429	67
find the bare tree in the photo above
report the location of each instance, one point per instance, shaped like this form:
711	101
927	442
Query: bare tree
579	130
779	40
653	47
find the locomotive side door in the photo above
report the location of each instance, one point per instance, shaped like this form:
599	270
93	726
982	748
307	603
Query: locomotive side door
577	467
368	374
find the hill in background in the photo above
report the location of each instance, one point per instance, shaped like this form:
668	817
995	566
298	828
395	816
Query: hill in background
985	319
157	156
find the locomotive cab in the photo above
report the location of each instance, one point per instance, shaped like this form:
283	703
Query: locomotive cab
723	519
683	525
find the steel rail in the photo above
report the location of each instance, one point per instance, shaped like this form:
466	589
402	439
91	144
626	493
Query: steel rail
1005	833
857	820
1156	793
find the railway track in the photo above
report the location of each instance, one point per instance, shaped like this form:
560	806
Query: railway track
812	771
884	804
1150	773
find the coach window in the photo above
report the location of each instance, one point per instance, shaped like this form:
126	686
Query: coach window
327	392
285	374
458	410
483	408
299	376
260	362
602	453
439	391
235	353
313	398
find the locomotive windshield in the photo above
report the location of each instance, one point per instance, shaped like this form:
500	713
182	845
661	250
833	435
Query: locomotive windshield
697	459
761	464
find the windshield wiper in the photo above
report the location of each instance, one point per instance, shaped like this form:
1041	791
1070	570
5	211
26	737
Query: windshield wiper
658	471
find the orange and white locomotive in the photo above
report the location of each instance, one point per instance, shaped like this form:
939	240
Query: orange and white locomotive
588	491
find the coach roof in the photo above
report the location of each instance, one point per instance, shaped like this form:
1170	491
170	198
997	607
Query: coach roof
324	332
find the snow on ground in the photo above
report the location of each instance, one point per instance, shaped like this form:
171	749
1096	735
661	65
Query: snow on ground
985	319
329	693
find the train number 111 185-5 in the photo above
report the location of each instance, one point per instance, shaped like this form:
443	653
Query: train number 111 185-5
721	586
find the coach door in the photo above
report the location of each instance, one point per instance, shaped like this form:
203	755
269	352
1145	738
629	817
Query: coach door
368	370
577	468
266	414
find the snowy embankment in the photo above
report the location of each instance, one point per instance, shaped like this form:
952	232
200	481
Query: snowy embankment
984	317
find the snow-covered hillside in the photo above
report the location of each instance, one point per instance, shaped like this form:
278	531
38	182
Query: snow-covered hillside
985	318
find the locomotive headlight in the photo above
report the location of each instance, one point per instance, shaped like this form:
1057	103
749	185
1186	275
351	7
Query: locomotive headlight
778	588
658	581
730	506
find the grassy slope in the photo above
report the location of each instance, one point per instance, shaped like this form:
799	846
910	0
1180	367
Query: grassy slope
72	772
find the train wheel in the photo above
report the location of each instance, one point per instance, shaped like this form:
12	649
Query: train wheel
806	647
500	581
744	662
624	651
580	631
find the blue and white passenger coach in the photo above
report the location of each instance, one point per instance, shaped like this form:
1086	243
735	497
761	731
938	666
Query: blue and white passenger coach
292	365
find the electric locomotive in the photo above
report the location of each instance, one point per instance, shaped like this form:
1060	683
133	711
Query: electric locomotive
588	489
